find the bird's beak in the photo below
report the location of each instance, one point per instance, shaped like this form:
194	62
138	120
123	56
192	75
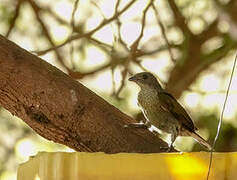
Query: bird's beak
133	78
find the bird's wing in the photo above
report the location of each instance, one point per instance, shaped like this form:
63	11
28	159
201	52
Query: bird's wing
169	103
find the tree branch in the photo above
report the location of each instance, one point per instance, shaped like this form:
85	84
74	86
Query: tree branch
37	10
163	32
63	110
179	18
14	18
79	36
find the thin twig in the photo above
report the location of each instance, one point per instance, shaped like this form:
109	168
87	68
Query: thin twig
124	75
221	117
139	64
101	45
73	14
98	8
119	39
133	50
158	50
73	28
79	75
13	20
118	22
179	18
163	32
37	11
134	46
79	36
113	82
114	62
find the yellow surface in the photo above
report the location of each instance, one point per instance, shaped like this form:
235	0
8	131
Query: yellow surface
100	166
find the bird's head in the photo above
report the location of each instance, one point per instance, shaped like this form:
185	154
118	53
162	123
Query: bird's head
145	80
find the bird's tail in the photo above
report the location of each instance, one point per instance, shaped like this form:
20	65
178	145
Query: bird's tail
200	140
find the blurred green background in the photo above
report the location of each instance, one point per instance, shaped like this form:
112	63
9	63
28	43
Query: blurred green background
190	46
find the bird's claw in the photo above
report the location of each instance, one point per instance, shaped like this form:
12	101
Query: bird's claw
167	149
135	125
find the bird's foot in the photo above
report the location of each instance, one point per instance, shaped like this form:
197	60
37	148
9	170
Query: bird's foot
135	125
166	149
155	133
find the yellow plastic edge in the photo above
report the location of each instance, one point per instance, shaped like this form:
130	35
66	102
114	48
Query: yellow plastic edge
100	166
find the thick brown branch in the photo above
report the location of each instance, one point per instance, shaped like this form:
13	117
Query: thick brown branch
63	110
210	32
192	68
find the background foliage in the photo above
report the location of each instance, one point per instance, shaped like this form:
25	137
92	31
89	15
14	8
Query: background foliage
190	46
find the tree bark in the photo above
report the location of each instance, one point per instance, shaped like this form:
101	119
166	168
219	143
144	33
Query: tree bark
63	110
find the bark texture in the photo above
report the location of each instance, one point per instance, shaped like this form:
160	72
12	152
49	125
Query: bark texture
63	110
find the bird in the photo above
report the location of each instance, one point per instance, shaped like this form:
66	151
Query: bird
163	111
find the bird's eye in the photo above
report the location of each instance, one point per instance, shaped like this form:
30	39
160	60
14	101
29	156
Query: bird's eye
144	76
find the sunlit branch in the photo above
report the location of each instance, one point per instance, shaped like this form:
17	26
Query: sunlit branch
79	36
210	32
79	75
179	18
157	50
163	32
138	63
101	45
115	61
143	24
124	75
113	81
98	8
13	20
73	27
73	13
46	33
134	46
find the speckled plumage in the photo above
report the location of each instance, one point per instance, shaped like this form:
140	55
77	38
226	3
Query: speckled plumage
162	110
149	102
